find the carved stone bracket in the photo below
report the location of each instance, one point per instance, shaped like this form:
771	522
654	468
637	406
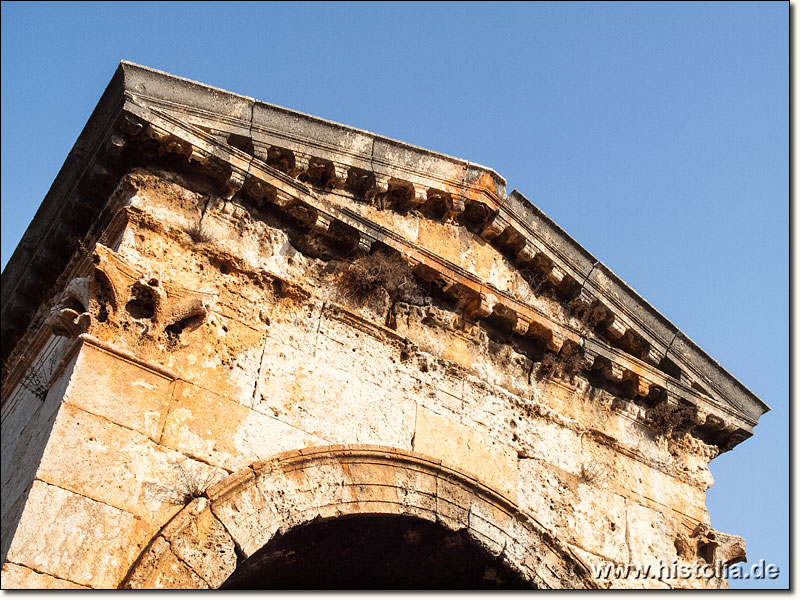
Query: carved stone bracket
711	546
115	291
70	317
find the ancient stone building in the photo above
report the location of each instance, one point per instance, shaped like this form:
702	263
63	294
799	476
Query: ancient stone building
247	347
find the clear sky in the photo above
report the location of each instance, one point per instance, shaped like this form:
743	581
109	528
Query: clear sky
656	134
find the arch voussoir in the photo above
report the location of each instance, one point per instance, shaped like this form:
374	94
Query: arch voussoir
251	507
194	550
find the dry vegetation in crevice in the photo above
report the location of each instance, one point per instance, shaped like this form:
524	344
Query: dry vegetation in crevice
188	485
200	234
564	366
672	420
364	276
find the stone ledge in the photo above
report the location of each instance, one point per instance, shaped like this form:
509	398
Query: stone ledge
141	102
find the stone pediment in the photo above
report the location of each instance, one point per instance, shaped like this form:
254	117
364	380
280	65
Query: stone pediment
363	190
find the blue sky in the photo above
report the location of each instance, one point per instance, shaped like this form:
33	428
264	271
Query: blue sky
656	134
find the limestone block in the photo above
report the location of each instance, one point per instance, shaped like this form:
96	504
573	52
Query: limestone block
597	519
207	548
406	225
12	511
26	418
368	356
336	405
433	331
17	577
453	502
434	398
20	457
285	371
518	423
288	494
224	354
578	511
646	481
417	492
488	405
73	538
617	420
348	343
293	320
123	392
544	493
612	420
649	536
251	516
458	246
492	462
439	376
542	556
489	524
241	297
372	487
259	246
312	486
454	348
281	499
696	467
551	442
140	246
120	467
168	201
21	406
227	227
225	433
596	564
499	365
164	570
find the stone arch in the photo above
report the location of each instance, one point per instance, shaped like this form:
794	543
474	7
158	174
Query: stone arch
203	544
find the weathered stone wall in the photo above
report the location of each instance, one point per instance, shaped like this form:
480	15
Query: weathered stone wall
220	335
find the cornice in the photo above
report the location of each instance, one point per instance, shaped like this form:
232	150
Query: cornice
631	344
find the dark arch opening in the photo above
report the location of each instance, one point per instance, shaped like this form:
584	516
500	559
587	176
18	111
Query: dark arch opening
374	552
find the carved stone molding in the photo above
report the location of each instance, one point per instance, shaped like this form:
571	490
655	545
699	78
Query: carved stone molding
272	155
115	290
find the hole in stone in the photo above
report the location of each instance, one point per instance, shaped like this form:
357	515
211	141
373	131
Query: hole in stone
320	172
103	295
224	266
706	552
174	331
398	197
359	181
73	304
141	304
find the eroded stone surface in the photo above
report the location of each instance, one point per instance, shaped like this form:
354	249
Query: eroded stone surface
466	450
23	578
62	534
254	294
